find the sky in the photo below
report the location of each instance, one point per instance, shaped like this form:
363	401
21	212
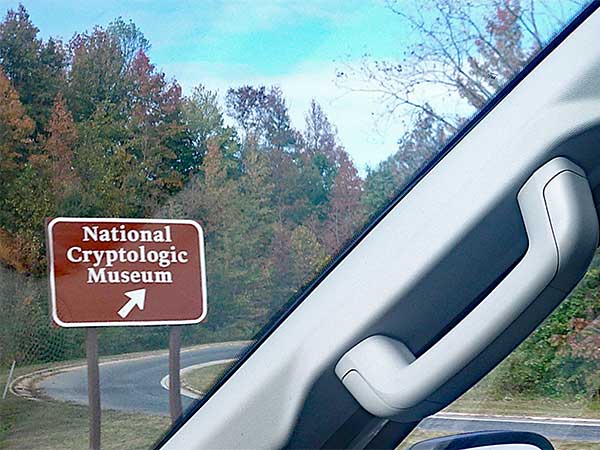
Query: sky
296	45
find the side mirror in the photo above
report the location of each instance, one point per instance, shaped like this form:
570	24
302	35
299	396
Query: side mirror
487	440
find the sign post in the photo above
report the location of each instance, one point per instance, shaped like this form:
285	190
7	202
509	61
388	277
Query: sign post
8	380
93	378
174	373
126	272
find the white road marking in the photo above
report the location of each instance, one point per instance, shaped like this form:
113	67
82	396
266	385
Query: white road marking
164	382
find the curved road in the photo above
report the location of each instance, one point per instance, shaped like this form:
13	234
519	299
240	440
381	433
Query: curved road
134	385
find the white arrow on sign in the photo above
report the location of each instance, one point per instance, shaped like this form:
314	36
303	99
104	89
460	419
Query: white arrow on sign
137	298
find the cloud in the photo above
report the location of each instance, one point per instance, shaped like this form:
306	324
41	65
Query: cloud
358	116
235	16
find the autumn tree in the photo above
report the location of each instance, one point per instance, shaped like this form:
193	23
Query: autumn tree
263	119
16	128
467	50
318	159
346	214
16	133
335	183
59	150
158	139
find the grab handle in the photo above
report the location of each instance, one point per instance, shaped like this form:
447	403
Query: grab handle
562	227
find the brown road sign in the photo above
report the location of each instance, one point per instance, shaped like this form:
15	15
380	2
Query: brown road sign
122	272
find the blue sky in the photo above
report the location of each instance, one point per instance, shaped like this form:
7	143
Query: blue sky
297	45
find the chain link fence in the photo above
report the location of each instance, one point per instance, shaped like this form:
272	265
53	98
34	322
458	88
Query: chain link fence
27	335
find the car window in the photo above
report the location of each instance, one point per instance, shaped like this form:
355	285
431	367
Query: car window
285	130
549	384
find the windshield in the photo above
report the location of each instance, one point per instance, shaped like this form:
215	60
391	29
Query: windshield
282	128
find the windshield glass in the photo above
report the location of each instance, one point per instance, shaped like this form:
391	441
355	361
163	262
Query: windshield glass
282	128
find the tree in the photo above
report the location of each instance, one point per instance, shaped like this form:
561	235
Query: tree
465	50
35	68
335	184
318	158
204	121
307	255
346	214
59	150
16	128
319	134
246	105
263	118
130	37
97	73
112	183
16	131
158	132
415	150
262	115
234	214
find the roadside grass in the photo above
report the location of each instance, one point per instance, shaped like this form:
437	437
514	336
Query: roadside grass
476	401
51	425
202	379
583	409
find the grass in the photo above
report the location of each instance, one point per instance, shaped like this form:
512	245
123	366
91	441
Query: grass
585	409
483	399
51	425
203	378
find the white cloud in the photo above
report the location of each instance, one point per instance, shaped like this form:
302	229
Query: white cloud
357	115
251	15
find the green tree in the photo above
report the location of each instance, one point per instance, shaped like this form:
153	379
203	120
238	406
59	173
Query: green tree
130	37
204	121
415	150
35	68
112	183
97	73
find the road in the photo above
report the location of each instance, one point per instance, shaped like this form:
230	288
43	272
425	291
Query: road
134	385
563	429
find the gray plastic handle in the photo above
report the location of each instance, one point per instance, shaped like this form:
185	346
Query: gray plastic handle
562	226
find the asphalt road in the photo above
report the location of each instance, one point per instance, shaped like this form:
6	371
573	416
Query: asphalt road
134	385
562	429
